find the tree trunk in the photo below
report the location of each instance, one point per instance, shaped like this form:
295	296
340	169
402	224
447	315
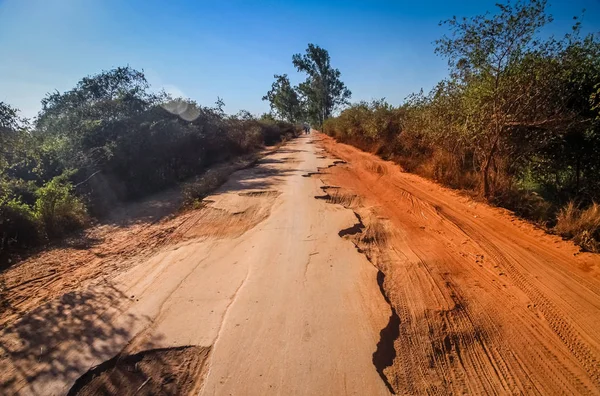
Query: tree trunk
485	171
577	173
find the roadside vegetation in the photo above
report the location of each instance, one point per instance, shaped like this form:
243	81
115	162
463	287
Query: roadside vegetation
108	140
517	121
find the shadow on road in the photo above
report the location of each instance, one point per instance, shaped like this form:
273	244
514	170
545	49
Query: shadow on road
60	340
75	328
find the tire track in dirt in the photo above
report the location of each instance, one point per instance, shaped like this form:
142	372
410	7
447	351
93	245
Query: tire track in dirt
371	245
564	330
474	315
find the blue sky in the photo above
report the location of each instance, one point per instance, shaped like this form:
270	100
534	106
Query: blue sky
231	49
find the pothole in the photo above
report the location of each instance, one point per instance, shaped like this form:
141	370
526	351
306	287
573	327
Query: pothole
353	230
310	174
259	194
168	371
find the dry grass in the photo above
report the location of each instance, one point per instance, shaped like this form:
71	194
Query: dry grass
195	191
344	199
582	225
374	233
376	168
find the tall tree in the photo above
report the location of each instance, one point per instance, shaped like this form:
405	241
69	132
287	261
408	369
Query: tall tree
284	99
323	90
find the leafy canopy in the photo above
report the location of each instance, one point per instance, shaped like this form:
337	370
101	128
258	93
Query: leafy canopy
284	99
323	90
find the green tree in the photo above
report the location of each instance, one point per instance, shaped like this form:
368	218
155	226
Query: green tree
81	125
8	116
17	151
58	208
267	117
284	100
8	125
568	159
323	91
486	52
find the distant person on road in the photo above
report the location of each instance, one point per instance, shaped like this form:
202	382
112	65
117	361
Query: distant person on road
306	129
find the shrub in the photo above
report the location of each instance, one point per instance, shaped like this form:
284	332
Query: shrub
244	136
196	190
122	141
57	207
18	225
373	126
275	132
583	225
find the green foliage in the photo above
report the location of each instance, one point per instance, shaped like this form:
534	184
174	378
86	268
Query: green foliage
108	140
595	101
267	117
516	121
57	207
322	91
8	117
284	100
315	99
487	55
19	226
12	138
367	123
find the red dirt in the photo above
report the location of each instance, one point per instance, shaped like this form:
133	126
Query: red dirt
486	303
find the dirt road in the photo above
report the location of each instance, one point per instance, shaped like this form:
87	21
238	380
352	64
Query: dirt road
310	275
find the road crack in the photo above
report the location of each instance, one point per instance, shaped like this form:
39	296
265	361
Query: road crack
385	352
219	332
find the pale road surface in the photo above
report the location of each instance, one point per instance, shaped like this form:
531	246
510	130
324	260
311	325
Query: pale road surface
287	308
321	270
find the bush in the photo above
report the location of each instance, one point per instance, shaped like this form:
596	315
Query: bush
57	207
122	142
373	126
18	225
275	132
196	190
583	225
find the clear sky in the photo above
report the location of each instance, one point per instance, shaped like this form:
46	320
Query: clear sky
230	48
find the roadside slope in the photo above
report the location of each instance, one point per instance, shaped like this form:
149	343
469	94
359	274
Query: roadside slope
485	302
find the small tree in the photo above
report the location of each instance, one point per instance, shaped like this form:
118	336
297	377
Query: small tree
58	208
8	125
